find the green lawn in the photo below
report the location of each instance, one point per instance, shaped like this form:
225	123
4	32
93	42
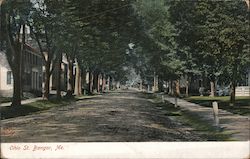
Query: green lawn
12	112
8	99
242	103
82	97
205	130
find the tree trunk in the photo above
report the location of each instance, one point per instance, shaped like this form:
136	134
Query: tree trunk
16	100
187	87
16	68
95	81
98	82
59	71
77	80
171	89
83	81
232	93
90	82
177	87
80	82
22	59
156	83
47	81
103	82
108	83
234	80
212	87
13	57
111	81
140	85
70	89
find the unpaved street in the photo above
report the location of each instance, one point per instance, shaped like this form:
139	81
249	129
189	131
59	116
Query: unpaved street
118	116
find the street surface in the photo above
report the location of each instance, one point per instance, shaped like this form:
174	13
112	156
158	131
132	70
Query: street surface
115	117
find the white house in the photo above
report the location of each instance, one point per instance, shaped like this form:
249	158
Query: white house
32	73
6	78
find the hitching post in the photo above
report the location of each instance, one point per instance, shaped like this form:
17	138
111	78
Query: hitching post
216	113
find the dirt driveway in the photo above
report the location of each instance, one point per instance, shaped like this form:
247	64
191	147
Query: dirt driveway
118	116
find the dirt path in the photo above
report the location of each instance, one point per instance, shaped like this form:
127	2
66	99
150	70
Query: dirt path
118	116
236	124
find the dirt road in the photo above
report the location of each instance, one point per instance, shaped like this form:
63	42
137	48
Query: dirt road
119	116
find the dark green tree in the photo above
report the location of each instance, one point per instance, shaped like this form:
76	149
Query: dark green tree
14	16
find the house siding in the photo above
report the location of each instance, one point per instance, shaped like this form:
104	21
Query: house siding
32	73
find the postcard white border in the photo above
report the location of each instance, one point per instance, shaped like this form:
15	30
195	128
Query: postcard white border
138	150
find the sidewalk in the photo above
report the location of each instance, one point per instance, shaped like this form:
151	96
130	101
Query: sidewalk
238	125
26	101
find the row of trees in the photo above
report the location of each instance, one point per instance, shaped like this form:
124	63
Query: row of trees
171	39
208	39
92	33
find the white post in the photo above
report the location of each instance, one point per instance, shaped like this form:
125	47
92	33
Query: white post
215	108
216	113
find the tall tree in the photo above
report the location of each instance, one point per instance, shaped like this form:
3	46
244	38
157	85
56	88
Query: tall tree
160	42
14	17
45	24
235	38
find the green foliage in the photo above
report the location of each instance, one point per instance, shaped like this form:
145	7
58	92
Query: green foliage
159	44
210	31
105	30
171	38
47	23
13	16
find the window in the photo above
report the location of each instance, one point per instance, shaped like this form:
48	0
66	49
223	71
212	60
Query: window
9	74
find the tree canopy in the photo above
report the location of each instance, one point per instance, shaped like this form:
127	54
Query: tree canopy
170	38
